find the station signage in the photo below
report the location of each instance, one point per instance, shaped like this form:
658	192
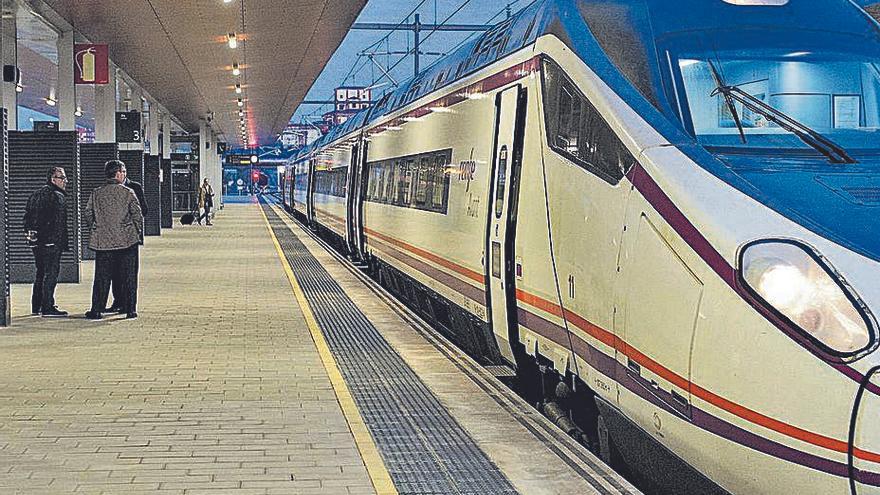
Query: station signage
91	64
240	160
128	127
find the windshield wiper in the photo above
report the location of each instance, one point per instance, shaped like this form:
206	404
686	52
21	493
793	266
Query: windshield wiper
820	143
728	98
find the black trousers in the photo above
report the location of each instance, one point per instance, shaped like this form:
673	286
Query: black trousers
119	266
121	281
48	262
205	214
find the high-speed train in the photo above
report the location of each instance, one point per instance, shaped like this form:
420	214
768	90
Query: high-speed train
667	211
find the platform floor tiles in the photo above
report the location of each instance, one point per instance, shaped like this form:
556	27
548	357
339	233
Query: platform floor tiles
217	388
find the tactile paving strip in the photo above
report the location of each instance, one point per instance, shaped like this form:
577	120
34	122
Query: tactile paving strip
425	450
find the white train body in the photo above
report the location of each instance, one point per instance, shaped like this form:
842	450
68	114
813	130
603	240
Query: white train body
631	281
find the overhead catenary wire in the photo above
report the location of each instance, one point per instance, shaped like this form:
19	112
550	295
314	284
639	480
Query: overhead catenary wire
355	69
428	36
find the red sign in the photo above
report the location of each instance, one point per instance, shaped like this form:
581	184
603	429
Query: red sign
91	64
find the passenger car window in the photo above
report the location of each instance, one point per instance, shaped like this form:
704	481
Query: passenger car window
419	181
576	129
422	180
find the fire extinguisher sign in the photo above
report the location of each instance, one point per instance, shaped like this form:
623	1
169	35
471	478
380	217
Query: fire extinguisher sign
90	64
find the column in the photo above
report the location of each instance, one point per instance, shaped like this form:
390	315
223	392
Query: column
65	91
166	135
217	180
153	127
204	141
105	109
9	56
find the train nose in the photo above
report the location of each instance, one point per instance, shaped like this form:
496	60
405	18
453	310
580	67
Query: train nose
865	437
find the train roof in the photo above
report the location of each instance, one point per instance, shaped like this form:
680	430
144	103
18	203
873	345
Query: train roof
711	15
627	31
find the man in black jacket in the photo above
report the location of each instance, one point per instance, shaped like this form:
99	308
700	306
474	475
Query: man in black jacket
119	303
45	221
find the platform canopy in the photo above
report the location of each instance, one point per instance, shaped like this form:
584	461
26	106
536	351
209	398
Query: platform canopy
177	51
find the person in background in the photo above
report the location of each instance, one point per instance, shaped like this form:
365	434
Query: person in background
115	217
45	221
206	202
119	305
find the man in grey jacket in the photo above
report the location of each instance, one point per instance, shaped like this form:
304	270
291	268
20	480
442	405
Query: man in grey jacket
116	220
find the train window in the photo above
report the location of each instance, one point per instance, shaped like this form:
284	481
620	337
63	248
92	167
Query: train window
420	182
502	181
390	182
569	127
577	130
441	184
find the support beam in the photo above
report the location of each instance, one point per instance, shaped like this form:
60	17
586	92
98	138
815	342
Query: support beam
153	127
9	56
65	90
204	142
166	135
105	109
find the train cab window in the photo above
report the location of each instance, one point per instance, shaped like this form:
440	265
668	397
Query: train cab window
576	129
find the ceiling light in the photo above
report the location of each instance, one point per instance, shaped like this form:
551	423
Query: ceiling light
241	113
227	1
238	89
240	102
235	69
51	101
19	88
232	40
78	112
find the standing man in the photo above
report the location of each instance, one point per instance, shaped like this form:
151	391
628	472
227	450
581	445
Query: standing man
119	305
45	221
206	201
116	220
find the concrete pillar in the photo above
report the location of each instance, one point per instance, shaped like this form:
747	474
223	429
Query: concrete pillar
9	56
153	127
105	109
166	135
65	92
204	140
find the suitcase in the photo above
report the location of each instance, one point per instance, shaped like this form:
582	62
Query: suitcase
187	218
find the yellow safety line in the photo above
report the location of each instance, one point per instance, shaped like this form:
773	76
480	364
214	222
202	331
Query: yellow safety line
369	452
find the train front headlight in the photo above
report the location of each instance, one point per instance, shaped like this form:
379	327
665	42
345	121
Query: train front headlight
795	282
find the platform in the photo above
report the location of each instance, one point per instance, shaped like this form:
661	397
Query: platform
261	363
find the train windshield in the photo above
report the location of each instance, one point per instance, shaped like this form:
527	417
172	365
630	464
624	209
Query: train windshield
732	96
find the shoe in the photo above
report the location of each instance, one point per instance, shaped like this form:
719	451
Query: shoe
131	316
93	315
209	224
114	309
54	312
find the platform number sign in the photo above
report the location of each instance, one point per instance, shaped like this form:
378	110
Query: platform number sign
128	127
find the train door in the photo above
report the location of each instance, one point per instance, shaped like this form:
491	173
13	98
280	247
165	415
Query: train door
291	188
351	199
361	192
310	197
499	249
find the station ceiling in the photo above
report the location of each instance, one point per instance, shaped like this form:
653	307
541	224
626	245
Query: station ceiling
177	51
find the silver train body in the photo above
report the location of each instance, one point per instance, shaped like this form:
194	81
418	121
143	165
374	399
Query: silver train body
527	196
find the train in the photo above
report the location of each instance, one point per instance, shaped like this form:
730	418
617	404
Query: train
664	216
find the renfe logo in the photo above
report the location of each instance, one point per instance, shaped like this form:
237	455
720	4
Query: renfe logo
91	64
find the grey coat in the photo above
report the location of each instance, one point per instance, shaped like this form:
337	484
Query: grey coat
115	217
